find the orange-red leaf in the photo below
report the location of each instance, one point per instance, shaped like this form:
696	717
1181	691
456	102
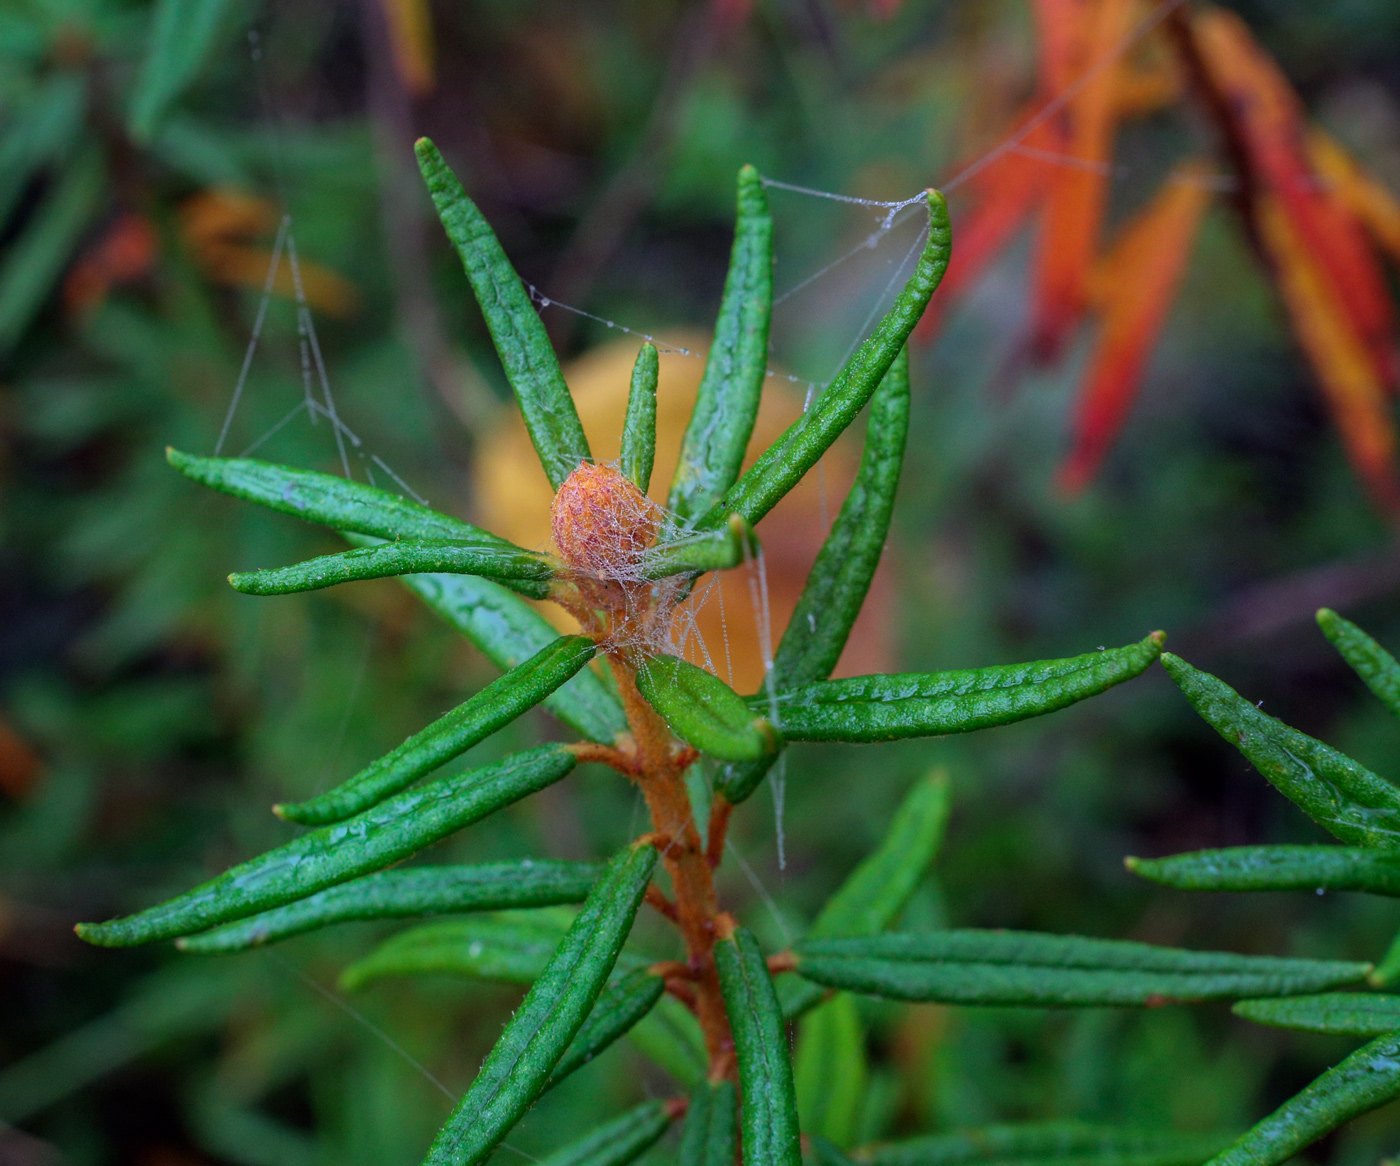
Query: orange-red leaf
1268	125
1059	38
1369	202
411	42
219	226
1350	380
1134	286
1002	195
124	252
1070	227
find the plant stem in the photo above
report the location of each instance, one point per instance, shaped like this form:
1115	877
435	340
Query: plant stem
658	768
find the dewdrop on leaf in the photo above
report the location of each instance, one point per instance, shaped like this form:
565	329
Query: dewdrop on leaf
602	523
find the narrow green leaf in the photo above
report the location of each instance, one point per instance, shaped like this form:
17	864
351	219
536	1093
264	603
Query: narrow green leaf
385	834
1347	1013
837	584
840	578
670	1035
1054	1143
622	1003
875	893
704	711
326	499
825	1152
1368	1078
1377	667
830	1070
1389	968
507	949
726	405
39	131
639	428
711	1121
1046	971
499	703
1344	798
183	34
33	262
516	1070
783	463
769	1105
915	704
1275	868
524	571
396	894
710	550
619	1141
515	327
508	631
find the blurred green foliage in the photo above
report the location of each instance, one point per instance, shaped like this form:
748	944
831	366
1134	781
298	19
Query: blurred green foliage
167	712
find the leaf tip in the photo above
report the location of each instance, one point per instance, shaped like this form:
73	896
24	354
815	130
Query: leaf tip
1159	638
1131	862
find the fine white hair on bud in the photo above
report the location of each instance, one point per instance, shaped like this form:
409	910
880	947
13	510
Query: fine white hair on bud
602	523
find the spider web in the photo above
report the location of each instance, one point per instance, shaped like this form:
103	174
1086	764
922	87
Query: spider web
881	250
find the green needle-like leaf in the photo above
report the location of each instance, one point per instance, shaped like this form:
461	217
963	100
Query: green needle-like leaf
704	711
670	1035
326	499
521	570
1377	667
711	1121
499	703
1368	1078
726	405
769	1105
508	631
621	1004
381	836
1053	1143
1045	971
515	327
710	550
783	463
875	893
914	704
1344	798
508	949
39	128
840	578
183	34
515	1071
396	894
1275	868
830	1070
1388	970
33	262
639	428
619	1141
1347	1013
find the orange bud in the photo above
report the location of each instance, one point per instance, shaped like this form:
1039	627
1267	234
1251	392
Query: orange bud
602	523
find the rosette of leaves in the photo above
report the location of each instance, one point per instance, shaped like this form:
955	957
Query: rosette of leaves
716	1014
1361	810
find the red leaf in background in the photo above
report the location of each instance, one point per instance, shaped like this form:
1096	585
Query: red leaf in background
1059	39
1268	126
1003	194
1353	385
123	253
1370	203
1134	287
1070	227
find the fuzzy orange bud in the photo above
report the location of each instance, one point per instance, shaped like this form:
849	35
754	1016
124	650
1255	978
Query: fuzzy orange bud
602	522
